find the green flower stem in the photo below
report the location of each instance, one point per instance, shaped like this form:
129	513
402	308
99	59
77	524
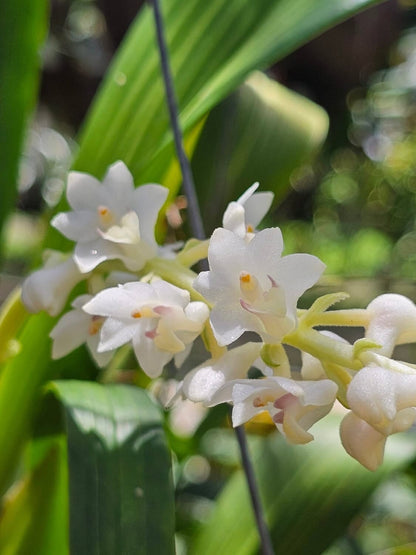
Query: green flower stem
323	347
211	343
174	272
341	377
355	317
190	256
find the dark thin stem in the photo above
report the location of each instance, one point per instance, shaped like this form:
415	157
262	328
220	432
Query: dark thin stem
194	214
196	224
266	542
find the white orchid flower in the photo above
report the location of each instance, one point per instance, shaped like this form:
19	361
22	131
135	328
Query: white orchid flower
112	220
362	442
243	216
252	287
383	402
201	383
156	318
294	406
48	288
392	321
75	328
383	398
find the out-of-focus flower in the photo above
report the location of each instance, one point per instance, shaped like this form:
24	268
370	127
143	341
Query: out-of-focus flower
112	220
48	288
243	216
294	406
156	318
77	327
252	287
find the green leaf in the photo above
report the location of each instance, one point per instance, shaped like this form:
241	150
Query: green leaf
224	42
21	381
310	494
22	30
12	316
34	515
20	390
262	133
120	484
118	466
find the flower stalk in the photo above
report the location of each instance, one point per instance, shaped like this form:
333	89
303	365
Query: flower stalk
265	540
194	213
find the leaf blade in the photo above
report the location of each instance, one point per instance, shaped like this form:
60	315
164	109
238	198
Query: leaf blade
22	30
121	493
135	111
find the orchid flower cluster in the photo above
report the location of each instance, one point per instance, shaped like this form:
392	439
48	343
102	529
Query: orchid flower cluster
139	293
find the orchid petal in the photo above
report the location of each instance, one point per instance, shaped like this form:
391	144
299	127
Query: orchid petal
229	322
114	301
392	321
296	273
115	333
380	396
243	216
82	191
362	441
257	206
48	288
69	333
118	181
75	225
147	201
234	219
151	359
203	382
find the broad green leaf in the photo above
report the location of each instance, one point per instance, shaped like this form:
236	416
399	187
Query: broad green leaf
34	514
262	133
20	390
120	484
22	29
21	380
224	42
310	494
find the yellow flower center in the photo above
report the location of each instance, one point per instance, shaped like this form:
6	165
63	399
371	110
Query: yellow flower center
105	215
144	312
247	282
95	325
